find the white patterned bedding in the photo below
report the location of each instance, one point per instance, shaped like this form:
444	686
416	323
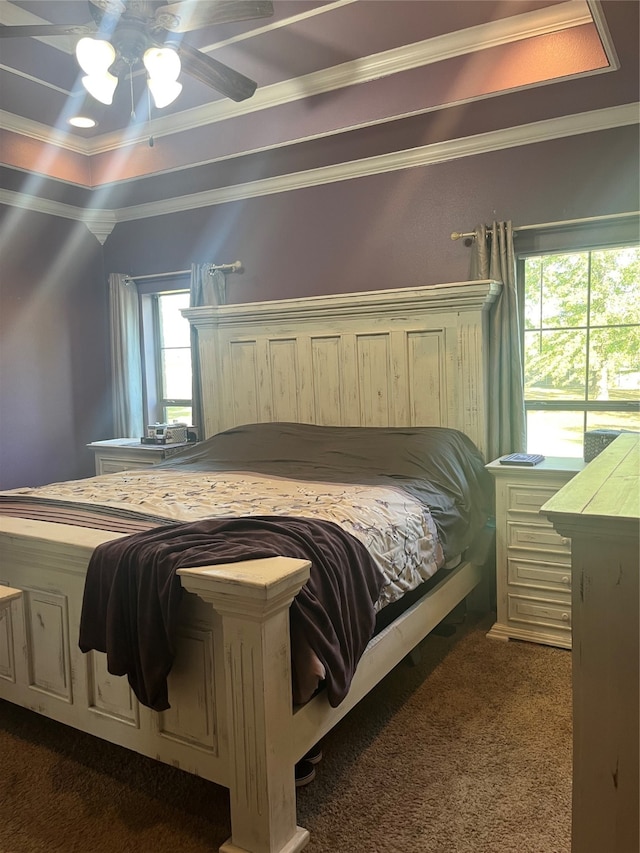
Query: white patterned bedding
397	530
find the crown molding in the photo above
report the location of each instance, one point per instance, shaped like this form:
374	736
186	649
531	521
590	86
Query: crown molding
99	222
102	222
440	152
43	133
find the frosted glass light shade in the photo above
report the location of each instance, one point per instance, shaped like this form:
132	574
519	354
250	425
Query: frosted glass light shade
101	86
162	63
163	66
164	91
95	55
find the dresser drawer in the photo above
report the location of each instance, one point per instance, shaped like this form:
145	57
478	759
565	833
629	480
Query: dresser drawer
539	537
535	574
539	612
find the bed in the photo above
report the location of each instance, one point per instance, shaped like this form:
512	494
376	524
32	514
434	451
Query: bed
387	362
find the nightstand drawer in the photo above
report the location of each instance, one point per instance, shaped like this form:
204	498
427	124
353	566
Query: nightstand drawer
528	498
538	612
540	576
113	465
537	536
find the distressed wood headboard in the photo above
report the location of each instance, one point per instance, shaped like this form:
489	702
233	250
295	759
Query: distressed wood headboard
412	356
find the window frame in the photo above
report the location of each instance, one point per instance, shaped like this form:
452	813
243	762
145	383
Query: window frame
589	237
153	402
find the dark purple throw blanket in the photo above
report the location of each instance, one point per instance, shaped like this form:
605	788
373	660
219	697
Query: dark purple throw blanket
132	594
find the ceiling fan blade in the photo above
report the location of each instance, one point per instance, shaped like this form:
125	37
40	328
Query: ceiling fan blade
220	77
46	30
187	15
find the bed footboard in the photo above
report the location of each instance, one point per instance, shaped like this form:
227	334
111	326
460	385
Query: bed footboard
231	718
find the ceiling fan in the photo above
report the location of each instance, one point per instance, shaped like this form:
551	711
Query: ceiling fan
136	29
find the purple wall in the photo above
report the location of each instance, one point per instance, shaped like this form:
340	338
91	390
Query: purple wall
53	349
390	230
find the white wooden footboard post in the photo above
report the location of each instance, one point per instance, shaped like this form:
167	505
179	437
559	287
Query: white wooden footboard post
253	600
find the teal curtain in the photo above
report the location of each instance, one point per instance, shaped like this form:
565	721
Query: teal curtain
126	365
493	257
208	287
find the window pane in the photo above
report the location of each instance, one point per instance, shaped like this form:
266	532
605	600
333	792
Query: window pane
565	290
555	365
532	293
614	364
614	420
182	414
174	328
176	369
555	433
615	286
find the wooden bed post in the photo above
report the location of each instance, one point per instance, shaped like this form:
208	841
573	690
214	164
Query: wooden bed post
253	600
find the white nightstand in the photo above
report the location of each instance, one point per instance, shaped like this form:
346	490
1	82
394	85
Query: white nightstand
533	562
123	454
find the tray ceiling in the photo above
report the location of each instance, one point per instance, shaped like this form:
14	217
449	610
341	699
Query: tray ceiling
343	85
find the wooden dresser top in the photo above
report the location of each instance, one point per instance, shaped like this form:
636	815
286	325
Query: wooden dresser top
608	489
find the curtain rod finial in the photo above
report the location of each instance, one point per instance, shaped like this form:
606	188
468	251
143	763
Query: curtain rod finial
236	266
468	236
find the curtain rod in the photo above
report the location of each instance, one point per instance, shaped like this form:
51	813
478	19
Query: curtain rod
236	266
458	235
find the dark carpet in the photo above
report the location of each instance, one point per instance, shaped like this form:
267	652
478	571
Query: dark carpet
467	752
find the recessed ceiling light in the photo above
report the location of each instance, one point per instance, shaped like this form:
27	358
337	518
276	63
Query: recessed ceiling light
82	121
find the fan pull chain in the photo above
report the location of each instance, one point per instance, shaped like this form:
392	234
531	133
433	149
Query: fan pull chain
151	140
133	106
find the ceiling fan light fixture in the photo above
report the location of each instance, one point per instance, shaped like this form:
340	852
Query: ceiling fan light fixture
162	63
101	86
163	66
95	56
164	91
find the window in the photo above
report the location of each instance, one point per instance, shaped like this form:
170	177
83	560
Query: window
581	346
166	357
174	353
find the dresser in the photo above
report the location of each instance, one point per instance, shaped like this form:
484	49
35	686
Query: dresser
123	454
600	511
533	561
